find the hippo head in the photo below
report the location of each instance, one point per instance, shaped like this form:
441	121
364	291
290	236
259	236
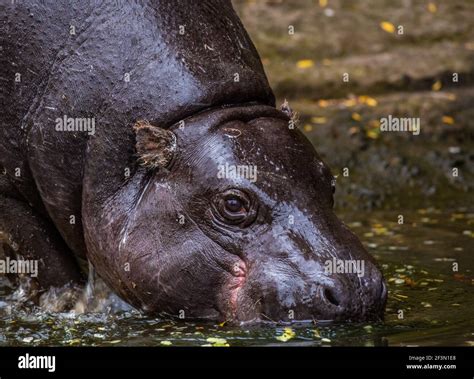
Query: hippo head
230	217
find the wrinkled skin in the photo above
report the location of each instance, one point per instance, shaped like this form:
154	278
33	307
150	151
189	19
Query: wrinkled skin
153	216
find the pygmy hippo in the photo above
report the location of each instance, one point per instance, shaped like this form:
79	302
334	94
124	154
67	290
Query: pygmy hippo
142	136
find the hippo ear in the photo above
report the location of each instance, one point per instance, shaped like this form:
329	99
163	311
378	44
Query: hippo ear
155	146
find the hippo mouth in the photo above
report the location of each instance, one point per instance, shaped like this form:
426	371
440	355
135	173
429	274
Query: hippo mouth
242	309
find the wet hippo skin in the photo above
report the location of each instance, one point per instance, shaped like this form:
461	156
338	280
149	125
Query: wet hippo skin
175	92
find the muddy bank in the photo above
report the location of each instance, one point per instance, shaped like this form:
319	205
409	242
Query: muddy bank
407	59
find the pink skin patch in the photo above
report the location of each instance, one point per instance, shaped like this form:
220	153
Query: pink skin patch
240	272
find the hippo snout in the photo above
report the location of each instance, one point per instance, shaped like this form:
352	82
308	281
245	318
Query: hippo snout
273	292
340	299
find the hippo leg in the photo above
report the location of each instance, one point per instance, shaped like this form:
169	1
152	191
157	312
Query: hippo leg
26	235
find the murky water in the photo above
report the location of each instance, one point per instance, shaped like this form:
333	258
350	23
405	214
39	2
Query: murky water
428	262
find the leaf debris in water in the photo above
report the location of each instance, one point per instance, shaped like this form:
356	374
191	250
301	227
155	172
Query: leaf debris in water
387	26
288	334
305	63
218	342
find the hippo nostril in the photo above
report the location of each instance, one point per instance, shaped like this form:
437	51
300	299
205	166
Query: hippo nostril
331	297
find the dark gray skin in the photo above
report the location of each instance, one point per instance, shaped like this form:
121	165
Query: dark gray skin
151	214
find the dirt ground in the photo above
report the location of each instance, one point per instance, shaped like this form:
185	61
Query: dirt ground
405	58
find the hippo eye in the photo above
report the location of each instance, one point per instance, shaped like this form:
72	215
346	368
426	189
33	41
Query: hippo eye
233	207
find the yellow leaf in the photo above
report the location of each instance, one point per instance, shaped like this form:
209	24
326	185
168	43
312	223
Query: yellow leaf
387	26
451	96
437	85
432	8
371	102
349	102
305	63
372	134
318	120
323	103
218	342
288	334
448	120
379	230
323	3
308	128
356	116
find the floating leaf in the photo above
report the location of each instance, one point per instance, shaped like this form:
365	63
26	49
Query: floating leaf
218	342
432	8
288	334
370	101
323	103
379	230
323	3
349	103
356	116
437	85
387	26
319	120
308	127
448	120
373	133
166	343
305	63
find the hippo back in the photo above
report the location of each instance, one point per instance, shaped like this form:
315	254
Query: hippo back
110	63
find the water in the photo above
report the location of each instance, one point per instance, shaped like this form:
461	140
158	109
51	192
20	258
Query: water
417	258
